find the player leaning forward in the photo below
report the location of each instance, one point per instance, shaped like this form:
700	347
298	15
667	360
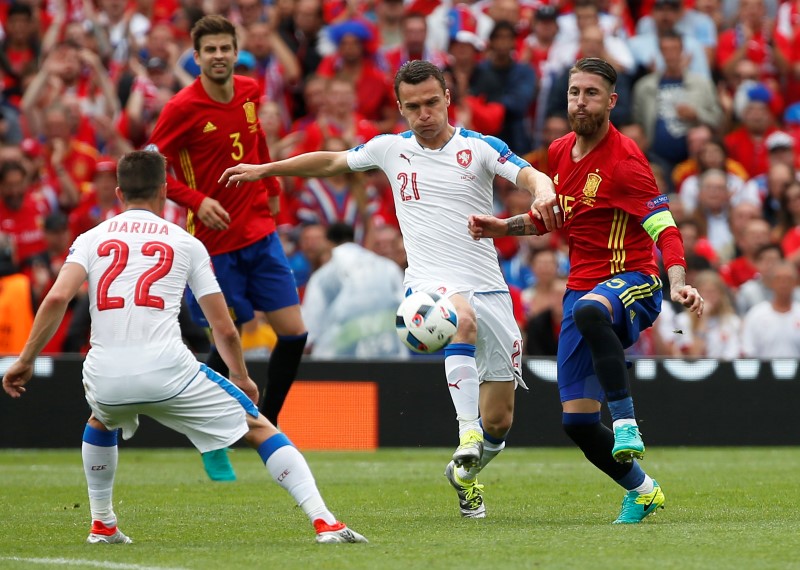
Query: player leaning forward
613	212
138	265
440	174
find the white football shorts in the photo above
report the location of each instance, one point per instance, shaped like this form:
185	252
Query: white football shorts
210	411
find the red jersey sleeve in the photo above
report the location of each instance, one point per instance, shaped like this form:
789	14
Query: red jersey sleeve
166	137
637	191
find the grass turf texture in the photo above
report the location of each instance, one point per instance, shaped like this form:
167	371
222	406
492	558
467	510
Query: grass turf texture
547	508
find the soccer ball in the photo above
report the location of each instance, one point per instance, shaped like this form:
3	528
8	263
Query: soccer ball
426	322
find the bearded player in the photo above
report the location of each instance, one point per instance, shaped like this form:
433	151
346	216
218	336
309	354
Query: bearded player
613	212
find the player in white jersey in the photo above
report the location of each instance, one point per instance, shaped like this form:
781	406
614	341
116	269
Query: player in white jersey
440	174
137	266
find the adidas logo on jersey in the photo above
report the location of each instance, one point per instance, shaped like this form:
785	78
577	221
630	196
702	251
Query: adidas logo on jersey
209	127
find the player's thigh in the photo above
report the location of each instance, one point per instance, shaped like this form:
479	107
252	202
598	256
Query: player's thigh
576	376
212	412
636	302
499	342
270	284
125	417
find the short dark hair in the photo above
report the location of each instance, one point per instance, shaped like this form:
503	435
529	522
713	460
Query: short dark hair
212	25
596	66
415	72
19	9
502	26
12	166
670	35
769	247
339	233
140	175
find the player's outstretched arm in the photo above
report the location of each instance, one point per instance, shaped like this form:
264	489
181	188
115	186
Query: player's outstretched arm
310	165
682	293
481	226
48	317
227	342
545	202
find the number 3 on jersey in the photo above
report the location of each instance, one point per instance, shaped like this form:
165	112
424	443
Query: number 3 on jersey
407	194
141	297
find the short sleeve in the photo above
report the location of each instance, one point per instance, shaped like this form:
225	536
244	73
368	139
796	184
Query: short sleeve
79	252
201	279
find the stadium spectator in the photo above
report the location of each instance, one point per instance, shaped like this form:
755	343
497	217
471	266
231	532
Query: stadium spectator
717	334
500	79
787	231
131	373
22	214
555	126
666	103
695	242
302	34
275	66
645	47
757	289
350	302
414	29
220	110
387	241
780	150
752	37
696	138
16	306
778	178
20	50
569	44
746	144
742	268
100	203
771	329
250	12
713	155
691	22
354	61
390	18
536	46
712	212
542	303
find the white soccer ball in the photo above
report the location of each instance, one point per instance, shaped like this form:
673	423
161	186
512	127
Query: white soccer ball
426	322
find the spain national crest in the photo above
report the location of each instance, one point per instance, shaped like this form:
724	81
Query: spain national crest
592	184
464	157
250	112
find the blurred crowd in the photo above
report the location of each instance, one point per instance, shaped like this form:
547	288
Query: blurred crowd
709	90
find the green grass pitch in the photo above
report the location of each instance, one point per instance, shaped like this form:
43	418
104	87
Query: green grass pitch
547	508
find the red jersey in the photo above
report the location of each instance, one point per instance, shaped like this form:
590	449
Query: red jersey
605	197
26	226
201	138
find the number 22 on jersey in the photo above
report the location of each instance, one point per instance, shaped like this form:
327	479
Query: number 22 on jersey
120	251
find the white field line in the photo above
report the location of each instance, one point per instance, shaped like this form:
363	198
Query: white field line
77	561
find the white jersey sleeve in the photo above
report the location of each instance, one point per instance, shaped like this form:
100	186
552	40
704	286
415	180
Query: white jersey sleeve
435	191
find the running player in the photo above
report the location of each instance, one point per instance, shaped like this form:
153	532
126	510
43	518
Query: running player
613	212
138	265
206	127
439	175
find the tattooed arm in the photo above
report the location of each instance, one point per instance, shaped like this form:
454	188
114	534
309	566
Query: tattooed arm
490	226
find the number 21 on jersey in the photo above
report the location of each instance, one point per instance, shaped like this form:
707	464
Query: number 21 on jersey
407	193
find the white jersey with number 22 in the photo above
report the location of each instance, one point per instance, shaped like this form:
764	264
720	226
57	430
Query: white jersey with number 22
138	266
435	191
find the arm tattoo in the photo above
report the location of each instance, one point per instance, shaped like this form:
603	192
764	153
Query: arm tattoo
517	226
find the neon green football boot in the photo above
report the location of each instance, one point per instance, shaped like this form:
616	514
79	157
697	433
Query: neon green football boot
636	507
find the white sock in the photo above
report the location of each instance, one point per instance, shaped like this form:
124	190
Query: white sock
100	466
624	422
462	381
289	469
646	486
490	451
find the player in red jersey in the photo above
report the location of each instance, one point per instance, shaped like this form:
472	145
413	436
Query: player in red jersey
613	212
207	127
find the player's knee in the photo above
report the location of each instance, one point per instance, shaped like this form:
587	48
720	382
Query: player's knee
497	426
581	427
589	314
467	323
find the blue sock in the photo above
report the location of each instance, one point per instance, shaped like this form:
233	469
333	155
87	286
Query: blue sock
621	409
99	437
633	479
271	445
490	438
